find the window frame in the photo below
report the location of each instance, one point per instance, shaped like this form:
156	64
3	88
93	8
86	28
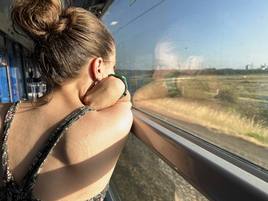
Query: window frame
216	173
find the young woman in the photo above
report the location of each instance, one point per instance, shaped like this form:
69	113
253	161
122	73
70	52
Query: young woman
64	146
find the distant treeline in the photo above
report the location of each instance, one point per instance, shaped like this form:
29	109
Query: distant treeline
176	73
213	71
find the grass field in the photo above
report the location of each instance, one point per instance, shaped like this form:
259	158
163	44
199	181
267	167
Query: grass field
236	105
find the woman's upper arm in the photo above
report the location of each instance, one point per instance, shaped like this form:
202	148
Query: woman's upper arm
92	152
98	131
119	116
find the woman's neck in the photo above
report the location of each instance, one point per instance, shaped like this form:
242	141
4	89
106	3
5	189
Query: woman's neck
65	96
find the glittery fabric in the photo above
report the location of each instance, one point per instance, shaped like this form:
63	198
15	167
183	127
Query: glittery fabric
12	191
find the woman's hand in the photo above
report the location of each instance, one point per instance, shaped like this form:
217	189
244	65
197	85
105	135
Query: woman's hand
106	93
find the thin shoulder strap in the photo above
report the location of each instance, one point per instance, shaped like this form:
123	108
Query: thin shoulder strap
7	122
32	174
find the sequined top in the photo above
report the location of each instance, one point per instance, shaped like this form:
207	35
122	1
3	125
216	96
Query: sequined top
11	190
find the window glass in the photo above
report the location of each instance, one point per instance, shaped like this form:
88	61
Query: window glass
4	92
19	67
201	65
15	66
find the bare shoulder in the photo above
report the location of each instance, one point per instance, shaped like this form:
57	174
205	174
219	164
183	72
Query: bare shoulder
99	130
117	118
92	147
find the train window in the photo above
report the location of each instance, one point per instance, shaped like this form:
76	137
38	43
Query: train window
14	71
19	67
200	65
149	177
12	86
4	95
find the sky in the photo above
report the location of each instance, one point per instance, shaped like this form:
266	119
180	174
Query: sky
189	34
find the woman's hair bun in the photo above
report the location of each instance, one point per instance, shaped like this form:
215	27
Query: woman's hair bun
39	18
65	38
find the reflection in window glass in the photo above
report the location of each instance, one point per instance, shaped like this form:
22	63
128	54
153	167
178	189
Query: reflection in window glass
141	175
201	64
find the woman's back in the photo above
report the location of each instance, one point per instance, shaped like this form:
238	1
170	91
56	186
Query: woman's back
72	52
81	163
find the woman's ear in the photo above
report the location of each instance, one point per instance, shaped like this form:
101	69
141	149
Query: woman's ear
97	68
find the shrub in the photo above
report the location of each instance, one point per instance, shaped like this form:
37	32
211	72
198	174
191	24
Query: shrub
226	95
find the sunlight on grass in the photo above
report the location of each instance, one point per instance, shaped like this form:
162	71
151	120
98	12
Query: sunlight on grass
196	112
